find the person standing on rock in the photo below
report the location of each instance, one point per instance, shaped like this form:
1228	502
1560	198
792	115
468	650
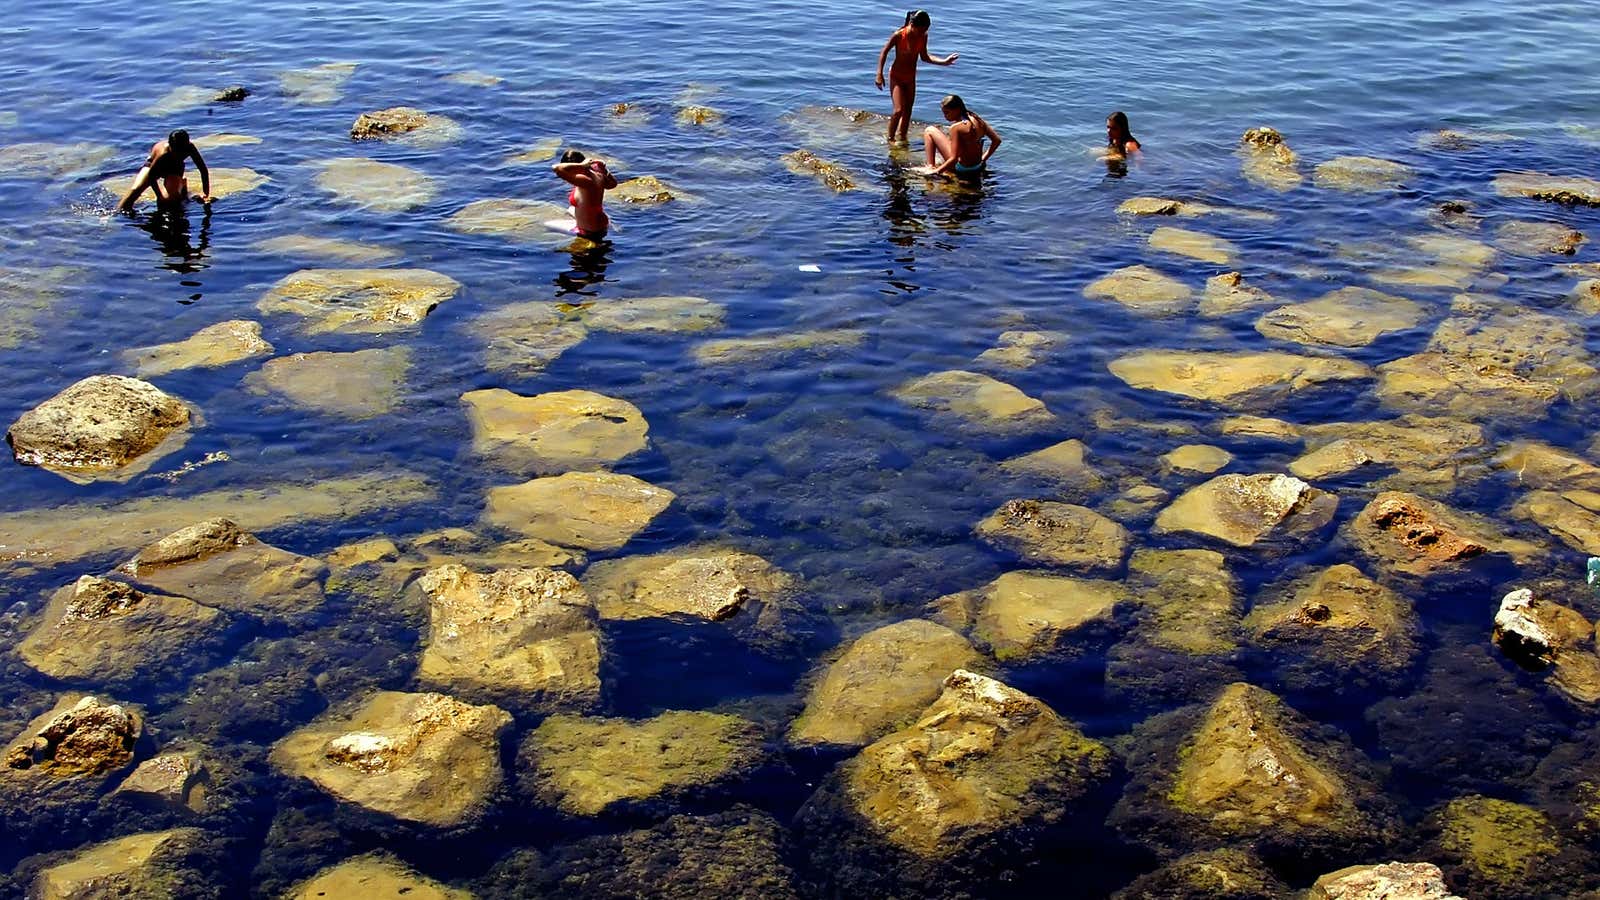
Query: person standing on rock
910	43
590	179
163	173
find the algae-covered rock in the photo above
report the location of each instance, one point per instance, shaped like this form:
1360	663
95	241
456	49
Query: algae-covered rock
655	315
1234	379
976	400
1539	238
1245	510
1498	847
1190	599
81	735
1362	174
1143	289
106	632
1567	190
318	85
833	176
522	636
423	758
1386	881
1414	536
1348	317
1421	450
358	385
362	301
708	583
1572	516
405	123
554	432
219	562
591	510
695	115
523	338
1336	628
1022	349
1065	464
105	426
527	221
1058	534
1210	875
1024	615
1193	244
1266	160
146	866
301	246
1229	293
376	186
983	761
1440	383
646	190
1202	459
1541	634
211	347
587	767
375	876
881	682
759	348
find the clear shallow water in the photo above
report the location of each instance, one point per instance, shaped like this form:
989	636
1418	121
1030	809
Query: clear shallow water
808	462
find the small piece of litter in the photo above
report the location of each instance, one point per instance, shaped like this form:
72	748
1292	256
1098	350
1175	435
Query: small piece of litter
811	267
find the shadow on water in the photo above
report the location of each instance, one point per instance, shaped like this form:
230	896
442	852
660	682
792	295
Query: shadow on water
182	245
590	259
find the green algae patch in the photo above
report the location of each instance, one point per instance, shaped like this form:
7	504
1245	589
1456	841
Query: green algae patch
1499	841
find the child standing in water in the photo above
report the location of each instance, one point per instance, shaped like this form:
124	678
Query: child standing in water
1120	142
962	150
910	43
590	179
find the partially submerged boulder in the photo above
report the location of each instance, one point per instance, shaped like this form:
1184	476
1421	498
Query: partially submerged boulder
1386	881
1058	534
105	426
1246	510
229	568
376	186
711	583
1022	349
881	682
375	876
423	758
1226	874
1418	537
363	384
1193	244
976	400
1348	317
1539	238
1336	628
1266	160
1498	846
590	510
521	339
1572	516
1229	293
554	432
1540	634
519	636
646	190
99	631
1202	459
174	781
406	123
527	221
655	315
1190	601
1539	465
318	85
145	866
1143	289
832	175
1567	190
1421	450
1363	174
361	301
1021	616
214	346
1235	379
81	735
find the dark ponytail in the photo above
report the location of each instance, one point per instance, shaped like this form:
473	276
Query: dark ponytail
919	18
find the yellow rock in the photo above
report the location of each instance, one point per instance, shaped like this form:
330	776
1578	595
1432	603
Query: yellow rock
1065	463
1193	244
977	400
1024	615
1193	600
231	569
1143	289
1232	378
1228	293
1266	160
756	348
35	160
1201	458
364	301
376	186
316	86
1022	349
1422	449
514	220
1501	841
710	583
1363	174
211	347
351	252
1244	510
108	632
523	338
1059	534
591	510
662	315
134	867
542	151
373	877
80	736
555	432
1568	190
358	385
1348	317
105	427
832	175
225	183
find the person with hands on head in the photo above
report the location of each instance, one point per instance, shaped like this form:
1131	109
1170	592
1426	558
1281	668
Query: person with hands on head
590	179
163	173
963	151
910	43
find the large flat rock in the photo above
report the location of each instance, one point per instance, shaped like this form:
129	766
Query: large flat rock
591	510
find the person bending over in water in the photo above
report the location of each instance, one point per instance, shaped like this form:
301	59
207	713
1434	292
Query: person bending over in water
962	150
1120	142
163	173
910	44
590	179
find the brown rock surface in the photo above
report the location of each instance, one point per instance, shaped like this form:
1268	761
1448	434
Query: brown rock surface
361	301
1419	537
591	510
230	568
81	735
375	876
99	428
108	632
1060	534
1244	510
554	432
211	347
709	583
1234	379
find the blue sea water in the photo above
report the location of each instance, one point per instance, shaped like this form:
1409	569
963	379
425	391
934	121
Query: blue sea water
806	460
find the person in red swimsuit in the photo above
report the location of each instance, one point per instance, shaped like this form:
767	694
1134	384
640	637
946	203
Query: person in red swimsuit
590	179
910	43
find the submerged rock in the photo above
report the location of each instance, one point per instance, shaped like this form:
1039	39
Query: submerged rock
1334	628
1022	349
1415	536
358	385
1572	516
30	297
1228	293
1441	383
80	736
107	632
1144	290
1236	379
300	246
36	160
174	781
1193	244
407	123
1542	466
1567	190
423	758
145	866
1387	881
881	682
713	584
1540	634
375	876
644	190
1245	510
591	510
655	315
541	151
318	85
1539	238
1021	616
1363	174
555	432
376	186
1267	161
1261	428
1188	599
1421	450
759	348
1201	459
1066	464
587	767
474	78
698	116
977	400
103	427
833	176
534	221
225	183
1211	875
1059	534
231	569
1348	317
523	338
362	301
1497	845
211	347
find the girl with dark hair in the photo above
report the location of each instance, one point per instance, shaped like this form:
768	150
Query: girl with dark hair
590	179
962	150
1119	139
910	43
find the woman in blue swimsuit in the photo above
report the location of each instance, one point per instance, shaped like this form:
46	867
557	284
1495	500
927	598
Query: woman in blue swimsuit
963	149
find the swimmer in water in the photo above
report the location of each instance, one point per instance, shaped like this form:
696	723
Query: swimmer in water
163	173
1120	142
910	43
962	149
590	179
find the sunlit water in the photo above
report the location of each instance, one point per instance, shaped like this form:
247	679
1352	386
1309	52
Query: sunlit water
807	461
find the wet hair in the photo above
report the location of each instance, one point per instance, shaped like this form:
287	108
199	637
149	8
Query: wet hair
179	139
918	18
955	102
572	156
1118	133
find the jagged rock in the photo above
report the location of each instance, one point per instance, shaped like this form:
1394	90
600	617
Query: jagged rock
1572	516
361	301
80	736
644	190
376	186
833	176
554	432
173	780
1415	536
407	123
513	219
231	569
211	347
1193	244
1266	160
881	682
983	761
1567	190
1339	621
1065	464
147	866
1023	615
1542	466
1539	238
318	85
1143	289
423	758
1245	510
1387	881
336	249
1022	349
1199	458
107	632
375	876
977	400
1421	450
1540	634
1228	293
698	116
523	338
105	426
1209	875
359	385
757	348
1235	379
710	583
587	767
590	510
1059	534
1497	845
655	315
1363	174
1348	317
524	636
